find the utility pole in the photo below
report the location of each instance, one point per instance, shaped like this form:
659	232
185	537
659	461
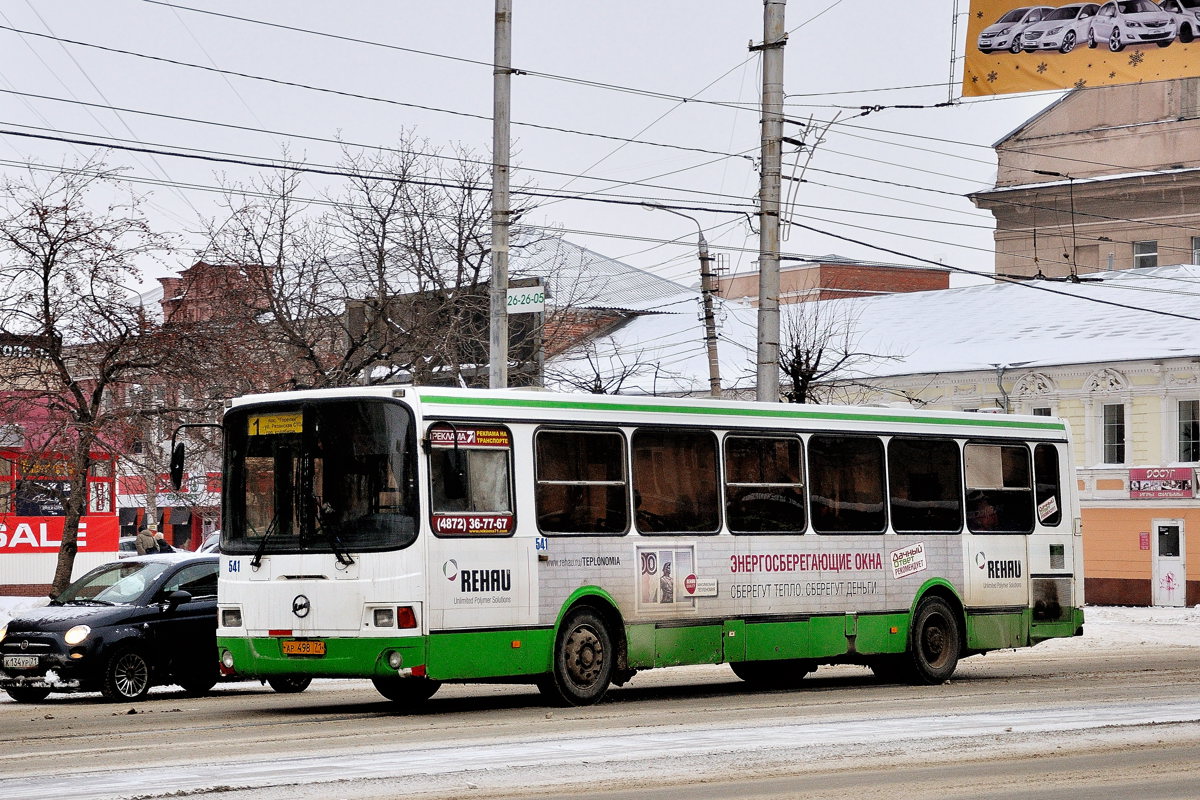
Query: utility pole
774	39
708	287
501	114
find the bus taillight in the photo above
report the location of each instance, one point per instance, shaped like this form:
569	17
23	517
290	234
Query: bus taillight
406	617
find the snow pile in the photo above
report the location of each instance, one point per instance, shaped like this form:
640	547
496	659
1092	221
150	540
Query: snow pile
10	606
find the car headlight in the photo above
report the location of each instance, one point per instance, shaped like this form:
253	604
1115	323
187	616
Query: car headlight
1133	23
77	634
3	631
1002	31
1053	31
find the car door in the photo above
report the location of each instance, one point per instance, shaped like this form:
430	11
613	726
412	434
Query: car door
1104	21
185	634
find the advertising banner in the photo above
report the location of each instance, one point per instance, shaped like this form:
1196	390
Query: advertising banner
44	534
1159	482
1019	47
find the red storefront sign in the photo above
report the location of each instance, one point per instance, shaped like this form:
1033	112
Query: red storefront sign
1157	482
44	534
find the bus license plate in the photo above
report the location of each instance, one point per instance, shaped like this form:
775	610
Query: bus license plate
20	662
292	647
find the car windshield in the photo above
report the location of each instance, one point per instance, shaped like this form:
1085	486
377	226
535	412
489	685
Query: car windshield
326	476
1066	12
1137	6
1013	16
113	584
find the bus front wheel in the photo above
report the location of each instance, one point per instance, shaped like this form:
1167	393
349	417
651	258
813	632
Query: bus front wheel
406	691
583	661
934	642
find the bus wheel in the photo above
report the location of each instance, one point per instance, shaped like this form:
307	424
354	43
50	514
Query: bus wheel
406	691
783	674
934	642
583	661
289	684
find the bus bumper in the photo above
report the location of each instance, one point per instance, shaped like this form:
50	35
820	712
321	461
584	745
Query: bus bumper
261	657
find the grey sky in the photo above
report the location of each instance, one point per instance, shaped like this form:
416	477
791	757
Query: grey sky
687	49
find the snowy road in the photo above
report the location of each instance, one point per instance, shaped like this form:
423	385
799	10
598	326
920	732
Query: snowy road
1128	711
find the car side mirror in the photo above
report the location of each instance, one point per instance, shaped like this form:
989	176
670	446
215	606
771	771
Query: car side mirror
177	598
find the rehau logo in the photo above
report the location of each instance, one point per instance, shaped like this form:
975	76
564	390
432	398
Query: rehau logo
998	569
485	580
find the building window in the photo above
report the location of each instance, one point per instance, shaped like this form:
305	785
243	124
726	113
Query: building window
1114	434
1042	411
1145	254
1189	430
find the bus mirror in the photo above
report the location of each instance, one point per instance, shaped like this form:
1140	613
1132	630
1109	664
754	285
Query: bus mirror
177	466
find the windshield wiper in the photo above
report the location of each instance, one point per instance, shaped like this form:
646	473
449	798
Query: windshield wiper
256	562
81	601
340	551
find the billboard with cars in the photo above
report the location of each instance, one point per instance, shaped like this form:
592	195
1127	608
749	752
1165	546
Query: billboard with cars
1027	47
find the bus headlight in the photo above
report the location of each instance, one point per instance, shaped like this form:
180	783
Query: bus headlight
227	659
77	634
394	659
231	618
384	618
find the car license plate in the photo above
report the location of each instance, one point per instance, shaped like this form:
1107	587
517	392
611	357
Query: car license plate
294	647
20	662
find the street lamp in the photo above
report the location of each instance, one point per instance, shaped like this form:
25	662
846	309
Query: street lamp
707	290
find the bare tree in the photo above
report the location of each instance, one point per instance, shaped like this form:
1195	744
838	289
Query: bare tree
66	267
819	354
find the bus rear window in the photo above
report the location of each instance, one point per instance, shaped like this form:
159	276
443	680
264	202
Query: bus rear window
764	484
675	481
581	484
846	476
999	488
925	480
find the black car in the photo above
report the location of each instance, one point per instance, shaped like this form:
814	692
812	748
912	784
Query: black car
120	629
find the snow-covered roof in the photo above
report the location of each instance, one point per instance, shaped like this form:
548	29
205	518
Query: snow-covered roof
1031	323
580	278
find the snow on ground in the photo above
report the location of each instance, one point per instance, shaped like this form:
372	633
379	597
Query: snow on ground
1104	626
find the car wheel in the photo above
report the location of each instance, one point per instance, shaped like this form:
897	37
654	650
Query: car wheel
1114	40
583	661
288	684
126	676
406	691
1068	43
1015	47
27	694
1186	34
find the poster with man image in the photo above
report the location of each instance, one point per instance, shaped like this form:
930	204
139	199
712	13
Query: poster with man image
661	574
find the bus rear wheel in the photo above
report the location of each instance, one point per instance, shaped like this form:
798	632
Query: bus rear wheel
783	674
583	661
934	642
405	691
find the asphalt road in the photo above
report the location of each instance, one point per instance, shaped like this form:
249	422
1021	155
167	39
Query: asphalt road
1030	724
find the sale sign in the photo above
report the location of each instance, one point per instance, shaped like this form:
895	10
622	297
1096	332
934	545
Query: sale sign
44	534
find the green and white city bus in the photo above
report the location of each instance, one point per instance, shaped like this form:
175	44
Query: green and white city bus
420	535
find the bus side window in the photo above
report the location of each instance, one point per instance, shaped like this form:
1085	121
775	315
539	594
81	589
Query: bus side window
847	486
999	488
474	480
580	482
675	481
764	484
925	485
1048	495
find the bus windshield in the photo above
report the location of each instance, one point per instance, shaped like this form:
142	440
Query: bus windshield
321	476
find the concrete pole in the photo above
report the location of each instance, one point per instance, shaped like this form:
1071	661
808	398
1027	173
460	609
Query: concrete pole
708	288
501	116
774	39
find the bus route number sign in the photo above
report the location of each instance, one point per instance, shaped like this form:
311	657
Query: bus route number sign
267	424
